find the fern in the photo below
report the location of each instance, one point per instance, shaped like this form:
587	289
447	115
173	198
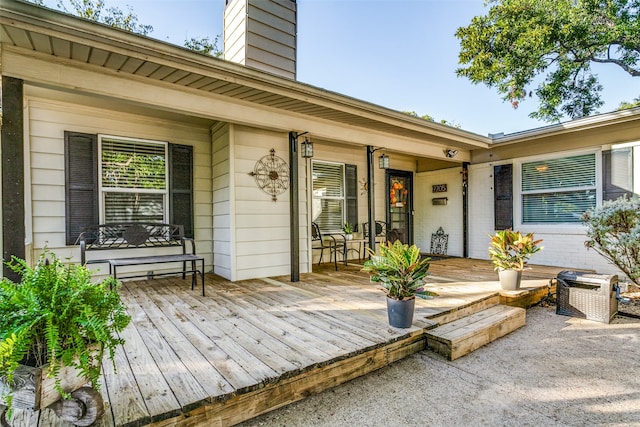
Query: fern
57	316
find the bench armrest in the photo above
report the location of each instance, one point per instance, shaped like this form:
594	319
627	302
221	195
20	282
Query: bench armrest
83	248
184	246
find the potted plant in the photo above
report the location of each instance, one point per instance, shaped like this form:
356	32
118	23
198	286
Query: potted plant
400	270
347	229
55	327
510	252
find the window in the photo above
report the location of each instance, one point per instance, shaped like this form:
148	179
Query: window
121	179
618	171
328	195
558	190
335	195
133	184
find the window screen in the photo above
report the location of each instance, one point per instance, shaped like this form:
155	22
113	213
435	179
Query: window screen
558	190
133	180
328	195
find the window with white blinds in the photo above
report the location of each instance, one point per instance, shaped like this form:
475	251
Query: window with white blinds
328	195
558	190
133	180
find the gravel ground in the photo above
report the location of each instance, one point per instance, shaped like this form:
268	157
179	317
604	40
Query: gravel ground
555	371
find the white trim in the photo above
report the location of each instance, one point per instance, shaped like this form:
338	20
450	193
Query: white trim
103	190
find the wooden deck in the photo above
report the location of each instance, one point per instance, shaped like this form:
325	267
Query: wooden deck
252	346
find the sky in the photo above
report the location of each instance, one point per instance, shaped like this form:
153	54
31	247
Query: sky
399	54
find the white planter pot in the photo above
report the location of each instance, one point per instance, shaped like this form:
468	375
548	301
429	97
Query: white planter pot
510	279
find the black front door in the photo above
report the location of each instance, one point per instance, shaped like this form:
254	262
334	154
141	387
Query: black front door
399	193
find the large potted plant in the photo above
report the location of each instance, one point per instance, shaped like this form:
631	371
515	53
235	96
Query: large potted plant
400	270
510	252
55	327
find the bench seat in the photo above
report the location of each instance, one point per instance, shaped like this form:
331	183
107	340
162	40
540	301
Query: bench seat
115	236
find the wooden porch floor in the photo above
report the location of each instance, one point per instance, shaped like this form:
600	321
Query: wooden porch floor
252	346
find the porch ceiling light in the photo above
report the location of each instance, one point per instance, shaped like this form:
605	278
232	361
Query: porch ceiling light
307	148
383	162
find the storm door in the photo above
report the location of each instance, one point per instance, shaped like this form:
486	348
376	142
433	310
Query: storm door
399	193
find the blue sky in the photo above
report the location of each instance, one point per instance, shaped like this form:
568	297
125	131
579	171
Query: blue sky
400	54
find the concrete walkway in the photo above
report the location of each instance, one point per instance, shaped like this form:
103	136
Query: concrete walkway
555	371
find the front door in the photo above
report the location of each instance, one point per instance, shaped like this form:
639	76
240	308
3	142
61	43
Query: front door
399	192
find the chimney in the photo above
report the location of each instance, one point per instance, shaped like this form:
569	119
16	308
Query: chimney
262	34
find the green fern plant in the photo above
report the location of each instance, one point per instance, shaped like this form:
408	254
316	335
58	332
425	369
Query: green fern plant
57	316
400	270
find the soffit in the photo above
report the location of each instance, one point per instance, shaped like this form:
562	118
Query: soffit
45	31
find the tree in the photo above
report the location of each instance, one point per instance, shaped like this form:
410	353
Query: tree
629	105
96	10
205	46
431	119
521	40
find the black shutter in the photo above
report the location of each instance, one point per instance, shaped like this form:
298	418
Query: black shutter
503	196
617	168
351	194
81	183
181	187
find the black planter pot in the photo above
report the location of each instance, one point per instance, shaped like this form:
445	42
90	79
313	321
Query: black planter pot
400	312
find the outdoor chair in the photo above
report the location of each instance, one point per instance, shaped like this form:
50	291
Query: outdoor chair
322	242
381	232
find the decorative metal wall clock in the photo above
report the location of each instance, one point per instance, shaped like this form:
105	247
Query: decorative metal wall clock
271	174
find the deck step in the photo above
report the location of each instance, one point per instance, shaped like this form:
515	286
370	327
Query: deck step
465	335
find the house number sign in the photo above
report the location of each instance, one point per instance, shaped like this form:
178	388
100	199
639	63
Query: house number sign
439	188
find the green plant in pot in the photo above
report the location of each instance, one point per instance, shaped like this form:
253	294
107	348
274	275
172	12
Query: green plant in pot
347	229
510	252
56	324
400	270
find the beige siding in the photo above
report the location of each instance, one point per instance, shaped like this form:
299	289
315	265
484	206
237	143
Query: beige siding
262	234
429	217
49	119
262	34
222	205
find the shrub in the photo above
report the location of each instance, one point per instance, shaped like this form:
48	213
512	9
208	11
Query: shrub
613	231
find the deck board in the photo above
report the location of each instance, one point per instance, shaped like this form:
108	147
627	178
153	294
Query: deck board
251	346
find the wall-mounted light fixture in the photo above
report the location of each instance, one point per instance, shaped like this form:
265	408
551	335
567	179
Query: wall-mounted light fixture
306	148
450	153
383	162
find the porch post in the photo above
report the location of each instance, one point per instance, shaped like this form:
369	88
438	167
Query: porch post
465	209
294	207
371	196
12	147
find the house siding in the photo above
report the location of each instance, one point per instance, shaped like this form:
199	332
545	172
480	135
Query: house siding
49	118
222	203
261	234
428	217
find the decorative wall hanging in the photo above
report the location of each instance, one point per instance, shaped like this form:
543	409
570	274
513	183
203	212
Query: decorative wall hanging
271	174
364	186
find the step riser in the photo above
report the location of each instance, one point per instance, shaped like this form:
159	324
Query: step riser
459	338
465	311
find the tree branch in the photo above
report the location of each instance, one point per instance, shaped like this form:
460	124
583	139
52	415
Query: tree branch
632	71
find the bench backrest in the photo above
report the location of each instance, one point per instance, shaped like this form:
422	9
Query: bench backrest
131	235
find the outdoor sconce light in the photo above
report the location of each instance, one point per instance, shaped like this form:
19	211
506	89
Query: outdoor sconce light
383	162
307	148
